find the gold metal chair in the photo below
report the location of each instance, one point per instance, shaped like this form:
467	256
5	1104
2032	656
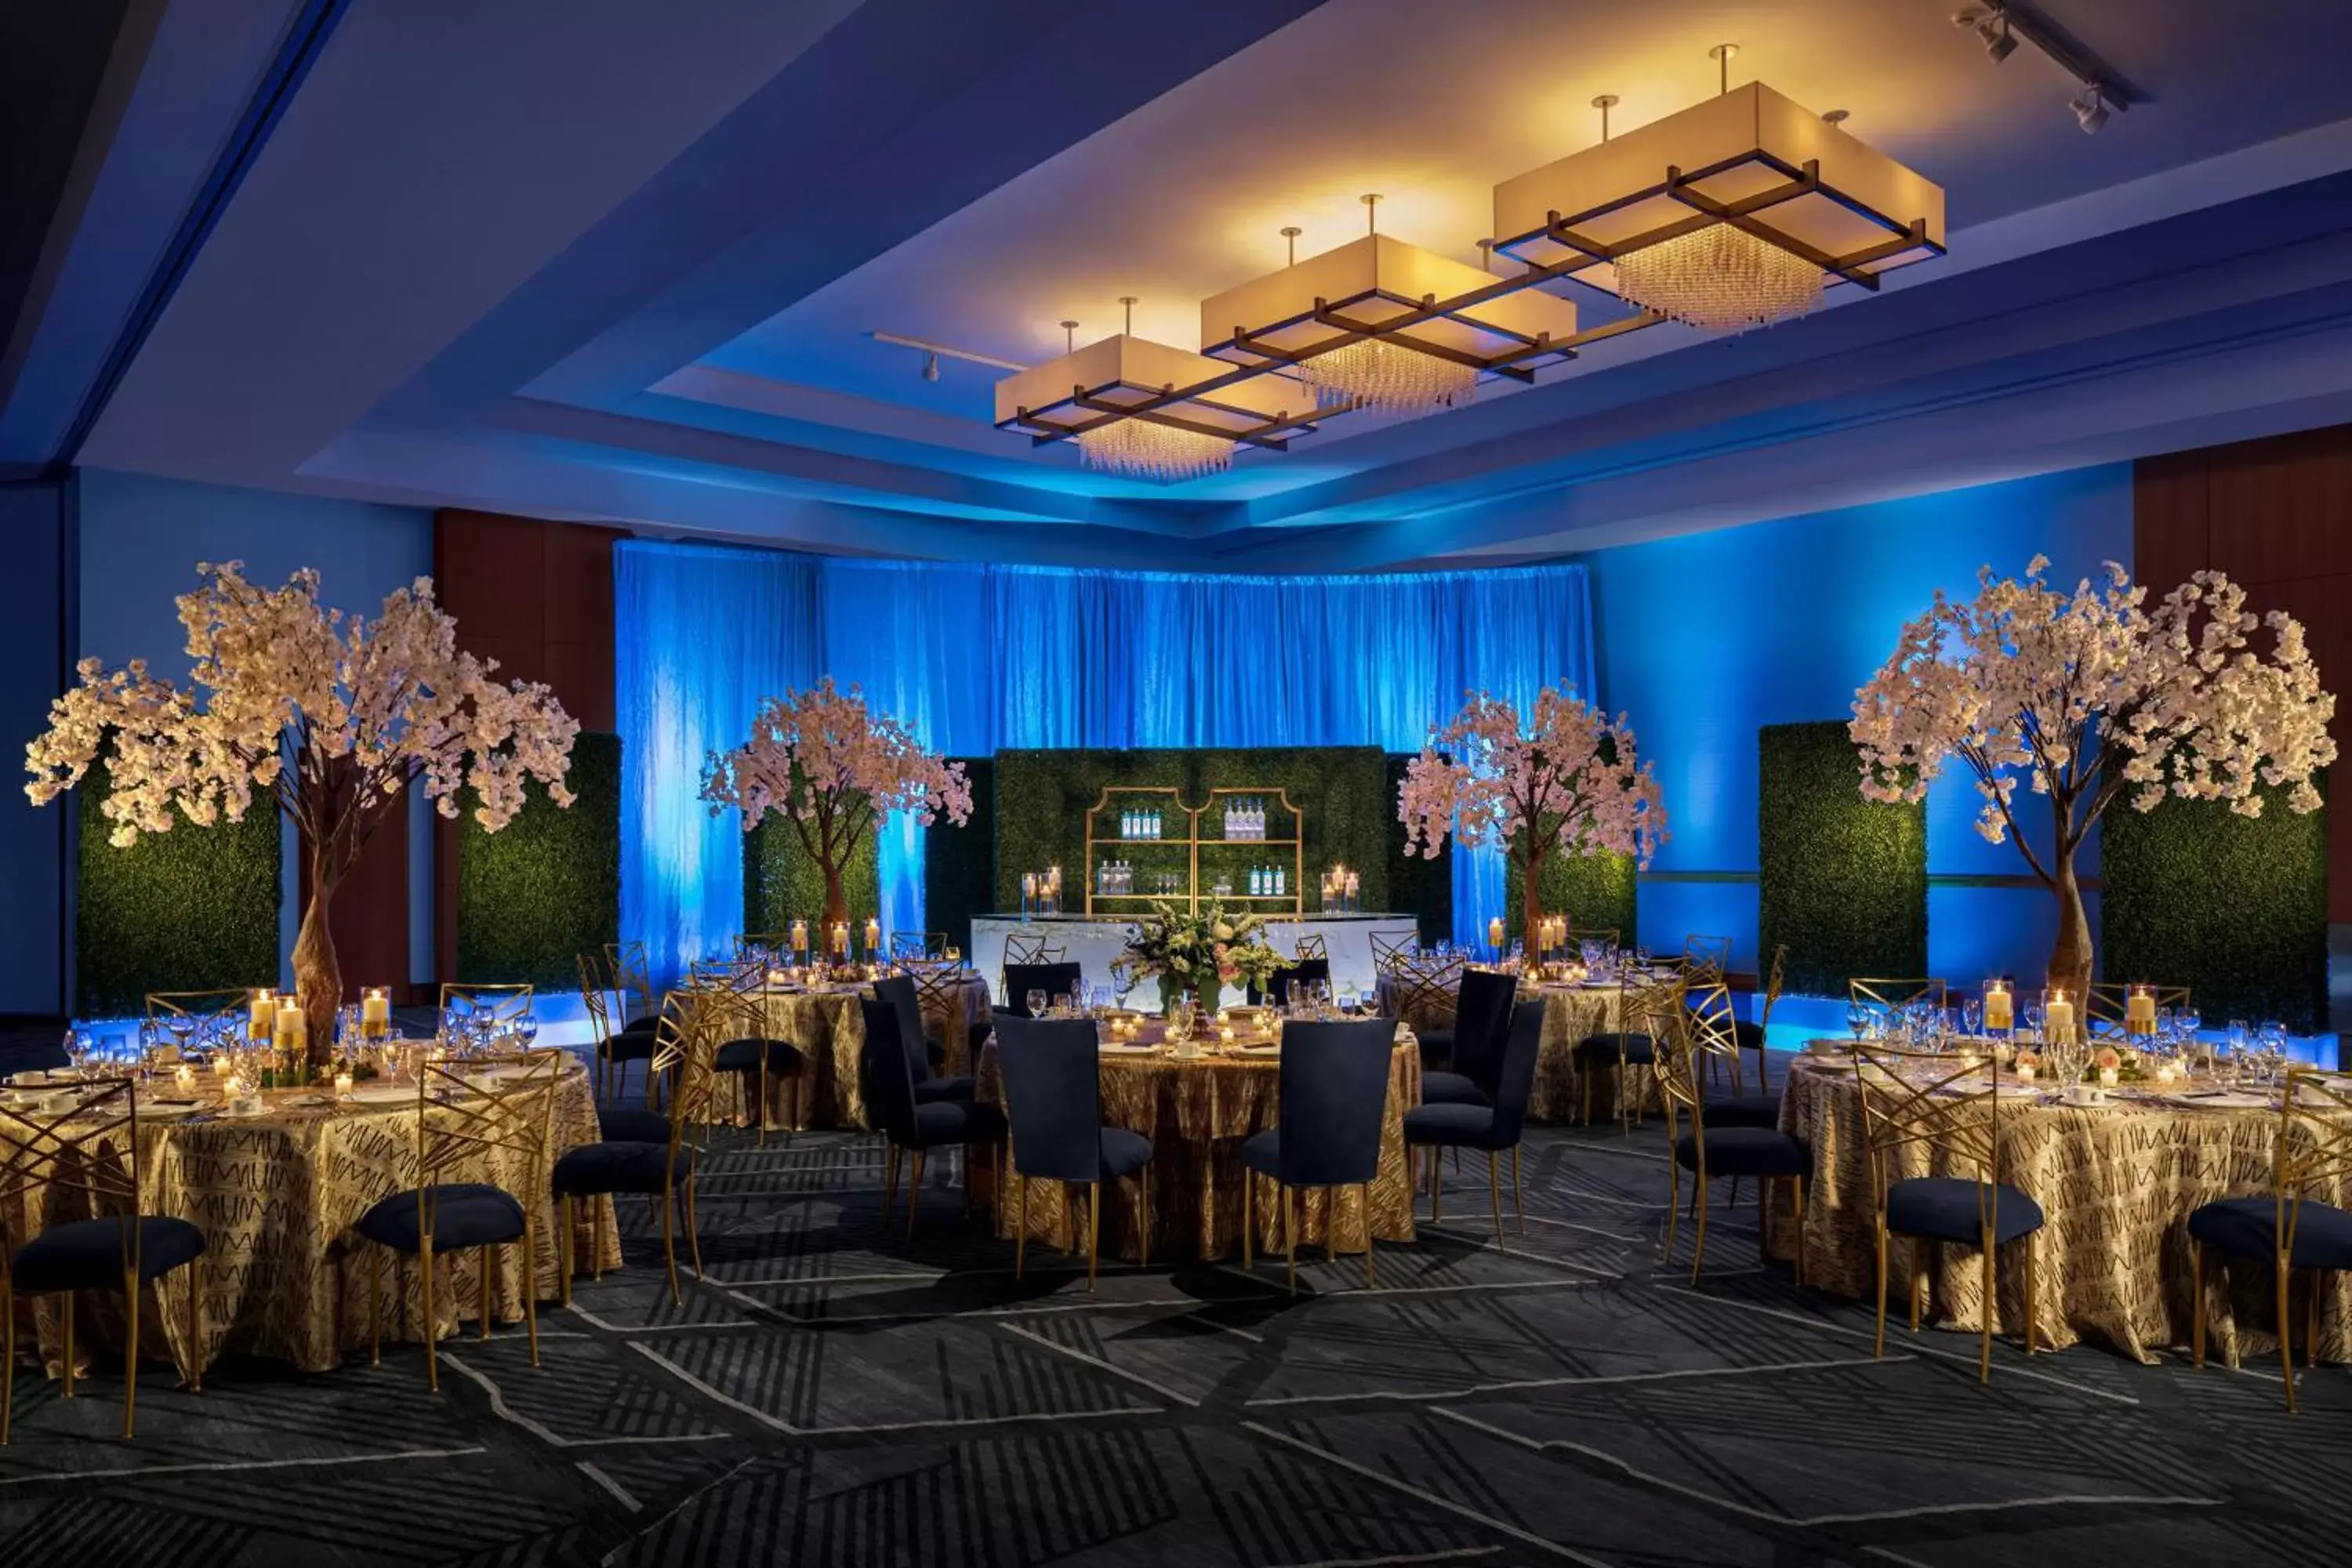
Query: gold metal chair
2290	1226
97	1163
1757	1036
506	1006
759	943
1701	1026
467	1113
1020	949
1938	1105
1427	999
1646	1008
1312	946
1888	995
686	1042
1579	934
633	978
186	1016
1388	957
905	944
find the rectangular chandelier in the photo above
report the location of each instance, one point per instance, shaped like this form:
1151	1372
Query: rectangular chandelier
1747	194
1150	411
1372	309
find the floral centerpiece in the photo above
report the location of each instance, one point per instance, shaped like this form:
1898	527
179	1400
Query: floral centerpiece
835	770
2087	698
331	718
1198	952
1566	779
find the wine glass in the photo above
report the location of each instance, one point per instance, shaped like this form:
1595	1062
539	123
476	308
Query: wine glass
1034	1001
1350	1001
2036	1014
1973	1016
1858	1018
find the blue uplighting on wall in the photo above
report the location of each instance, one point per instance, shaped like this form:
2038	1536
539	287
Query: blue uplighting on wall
976	658
1706	637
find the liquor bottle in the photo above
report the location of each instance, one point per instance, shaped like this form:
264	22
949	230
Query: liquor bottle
1281	881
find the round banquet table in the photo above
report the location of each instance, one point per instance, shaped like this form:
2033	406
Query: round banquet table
1196	1112
1570	1014
2116	1185
282	1275
826	1024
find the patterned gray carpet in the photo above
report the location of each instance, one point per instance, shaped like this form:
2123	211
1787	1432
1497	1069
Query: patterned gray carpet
830	1397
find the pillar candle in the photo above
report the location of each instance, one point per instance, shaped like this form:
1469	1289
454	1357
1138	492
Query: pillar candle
376	1011
2140	1011
840	938
288	1033
1997	1005
2060	1016
873	935
265	1014
1495	932
800	936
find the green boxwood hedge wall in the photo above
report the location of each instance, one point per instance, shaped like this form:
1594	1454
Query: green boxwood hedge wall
782	883
1596	892
960	863
1420	888
1841	880
194	908
1042	797
546	888
2234	908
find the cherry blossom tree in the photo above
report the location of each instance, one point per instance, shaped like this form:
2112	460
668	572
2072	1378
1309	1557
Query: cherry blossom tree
2088	698
330	718
1568	780
835	770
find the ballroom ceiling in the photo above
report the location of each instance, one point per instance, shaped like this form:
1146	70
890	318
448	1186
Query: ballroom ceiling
623	262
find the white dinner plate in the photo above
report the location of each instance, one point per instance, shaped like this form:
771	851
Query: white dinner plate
1127	1047
382	1093
171	1109
1273	1048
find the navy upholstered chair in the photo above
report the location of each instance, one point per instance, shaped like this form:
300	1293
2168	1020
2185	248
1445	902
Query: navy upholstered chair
640	1152
1482	1018
906	999
1914	1099
2286	1227
1493	1127
616	1047
1761	1153
1054	979
1052	1099
80	1151
462	1116
751	1056
1334	1088
1278	987
1629	1045
908	1125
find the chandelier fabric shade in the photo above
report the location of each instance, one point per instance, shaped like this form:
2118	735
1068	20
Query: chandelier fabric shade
1148	411
1750	162
1380	323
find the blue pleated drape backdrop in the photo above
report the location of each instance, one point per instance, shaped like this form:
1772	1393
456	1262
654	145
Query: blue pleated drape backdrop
974	659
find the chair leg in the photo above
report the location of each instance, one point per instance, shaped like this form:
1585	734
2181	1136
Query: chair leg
1021	1230
530	1285
1436	1179
1143	1212
375	1305
760	1138
669	1244
1249	1217
485	1285
2197	1301
2285	1326
432	1324
914	1194
1674	1204
2029	1293
7	1354
889	1184
1698	1240
1371	1273
596	1253
1918	1259
130	1353
2311	1323
1094	1232
693	1230
196	1326
1290	1238
1796	1213
69	1345
1991	1311
1519	1198
566	1239
1878	1350
1494	1199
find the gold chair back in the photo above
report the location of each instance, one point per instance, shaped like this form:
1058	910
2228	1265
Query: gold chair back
485	1103
2103	1009
1020	949
180	1017
918	943
1428	997
1577	934
1312	946
1707	955
594	988
1388	957
2313	1155
88	1147
632	975
1890	995
1773	981
1912	1098
506	1006
1711	1021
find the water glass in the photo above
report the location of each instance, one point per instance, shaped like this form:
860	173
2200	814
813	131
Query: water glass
1973	1016
1858	1018
1034	1001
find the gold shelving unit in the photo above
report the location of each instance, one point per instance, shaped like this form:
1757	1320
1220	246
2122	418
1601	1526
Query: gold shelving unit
1200	828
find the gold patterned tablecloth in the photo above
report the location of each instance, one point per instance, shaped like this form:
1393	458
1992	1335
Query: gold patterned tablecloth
283	1276
830	1031
1570	1014
2116	1185
1196	1112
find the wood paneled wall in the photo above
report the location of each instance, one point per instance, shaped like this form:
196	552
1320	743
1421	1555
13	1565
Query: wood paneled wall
2276	515
538	597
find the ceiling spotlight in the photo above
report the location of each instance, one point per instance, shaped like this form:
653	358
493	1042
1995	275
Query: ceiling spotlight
2090	107
930	368
1992	27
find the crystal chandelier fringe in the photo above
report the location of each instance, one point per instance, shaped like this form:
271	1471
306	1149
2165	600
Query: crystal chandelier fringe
1140	449
1719	278
1370	374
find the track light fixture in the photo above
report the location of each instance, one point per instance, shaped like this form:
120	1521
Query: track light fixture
2002	25
1992	27
930	368
2090	109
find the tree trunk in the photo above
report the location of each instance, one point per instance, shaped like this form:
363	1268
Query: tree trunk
316	977
2070	961
1530	900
